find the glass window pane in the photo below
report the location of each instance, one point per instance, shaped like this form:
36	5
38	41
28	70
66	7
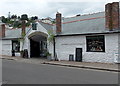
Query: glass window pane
95	43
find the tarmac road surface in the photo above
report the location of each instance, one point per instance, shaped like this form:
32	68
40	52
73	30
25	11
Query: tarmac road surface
15	72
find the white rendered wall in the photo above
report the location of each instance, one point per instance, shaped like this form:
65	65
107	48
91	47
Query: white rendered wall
40	30
6	47
0	62
67	45
119	48
0	47
50	49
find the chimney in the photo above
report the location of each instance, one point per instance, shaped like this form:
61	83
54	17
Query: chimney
115	14
2	32
23	27
112	15
108	15
58	23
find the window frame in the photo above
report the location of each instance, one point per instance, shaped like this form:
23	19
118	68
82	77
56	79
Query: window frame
95	36
34	26
15	41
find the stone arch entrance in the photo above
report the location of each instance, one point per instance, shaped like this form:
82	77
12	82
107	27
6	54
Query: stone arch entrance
38	44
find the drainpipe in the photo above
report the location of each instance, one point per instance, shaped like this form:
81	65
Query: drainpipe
54	47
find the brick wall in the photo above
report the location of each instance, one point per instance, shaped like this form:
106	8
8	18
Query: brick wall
2	30
58	23
23	27
115	14
112	15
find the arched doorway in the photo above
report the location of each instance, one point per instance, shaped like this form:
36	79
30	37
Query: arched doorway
38	45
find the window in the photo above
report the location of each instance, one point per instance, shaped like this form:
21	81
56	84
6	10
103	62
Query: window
95	43
34	26
16	46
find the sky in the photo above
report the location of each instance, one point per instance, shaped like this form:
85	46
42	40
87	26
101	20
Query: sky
48	8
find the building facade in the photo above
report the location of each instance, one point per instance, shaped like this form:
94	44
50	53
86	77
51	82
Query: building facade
102	49
89	38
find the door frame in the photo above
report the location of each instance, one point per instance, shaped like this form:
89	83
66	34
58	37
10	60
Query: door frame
80	58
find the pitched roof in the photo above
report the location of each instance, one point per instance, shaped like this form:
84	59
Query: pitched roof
46	25
92	23
85	24
86	16
16	33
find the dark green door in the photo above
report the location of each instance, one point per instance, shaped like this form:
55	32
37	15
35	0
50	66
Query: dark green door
79	54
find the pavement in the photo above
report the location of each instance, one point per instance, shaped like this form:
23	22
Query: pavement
88	65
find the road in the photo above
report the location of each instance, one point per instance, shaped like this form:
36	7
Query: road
15	72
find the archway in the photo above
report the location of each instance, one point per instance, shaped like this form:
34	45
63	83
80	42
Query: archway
38	45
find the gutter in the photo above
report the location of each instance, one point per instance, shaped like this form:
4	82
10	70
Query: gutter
87	34
10	38
54	50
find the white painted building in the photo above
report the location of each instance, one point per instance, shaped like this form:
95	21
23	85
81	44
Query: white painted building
66	46
87	38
